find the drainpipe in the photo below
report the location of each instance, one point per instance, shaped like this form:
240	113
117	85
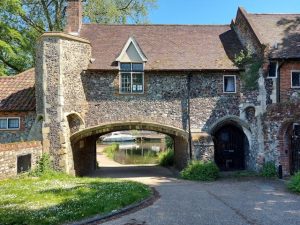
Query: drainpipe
188	113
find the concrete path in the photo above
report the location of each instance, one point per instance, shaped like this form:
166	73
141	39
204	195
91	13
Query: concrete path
224	202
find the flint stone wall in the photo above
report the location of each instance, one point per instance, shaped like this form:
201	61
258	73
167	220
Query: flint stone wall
62	58
26	121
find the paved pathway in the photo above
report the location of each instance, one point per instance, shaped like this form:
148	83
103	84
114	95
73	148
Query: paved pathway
224	202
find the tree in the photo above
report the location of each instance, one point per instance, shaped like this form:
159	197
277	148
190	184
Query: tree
23	21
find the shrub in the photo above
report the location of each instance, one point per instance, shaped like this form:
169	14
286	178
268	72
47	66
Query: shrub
200	170
44	167
111	150
169	142
269	170
166	158
294	183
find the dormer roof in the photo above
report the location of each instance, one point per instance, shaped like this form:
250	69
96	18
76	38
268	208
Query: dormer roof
131	52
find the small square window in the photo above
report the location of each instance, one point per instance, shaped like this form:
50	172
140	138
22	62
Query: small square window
229	84
137	67
13	123
3	123
296	79
125	66
273	69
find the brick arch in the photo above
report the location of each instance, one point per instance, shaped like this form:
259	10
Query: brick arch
83	142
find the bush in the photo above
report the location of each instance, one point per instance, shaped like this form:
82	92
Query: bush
269	170
44	167
169	142
111	150
200	170
166	158
294	183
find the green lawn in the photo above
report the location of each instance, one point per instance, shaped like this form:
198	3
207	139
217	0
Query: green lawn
62	198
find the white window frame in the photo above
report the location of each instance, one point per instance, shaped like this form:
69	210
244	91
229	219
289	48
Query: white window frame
229	92
292	71
7	118
276	72
131	73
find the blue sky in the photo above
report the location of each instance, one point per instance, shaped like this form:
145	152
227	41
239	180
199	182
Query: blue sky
215	11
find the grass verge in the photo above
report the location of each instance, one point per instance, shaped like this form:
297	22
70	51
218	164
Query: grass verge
60	198
111	150
294	183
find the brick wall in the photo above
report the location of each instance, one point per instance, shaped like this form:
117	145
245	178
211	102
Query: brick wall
10	152
286	92
26	121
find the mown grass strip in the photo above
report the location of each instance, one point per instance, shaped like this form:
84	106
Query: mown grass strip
61	198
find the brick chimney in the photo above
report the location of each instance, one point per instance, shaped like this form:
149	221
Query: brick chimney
74	16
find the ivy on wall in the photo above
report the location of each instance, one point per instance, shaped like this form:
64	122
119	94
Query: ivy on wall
251	63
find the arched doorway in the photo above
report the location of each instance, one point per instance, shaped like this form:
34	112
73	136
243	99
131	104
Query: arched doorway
231	145
290	147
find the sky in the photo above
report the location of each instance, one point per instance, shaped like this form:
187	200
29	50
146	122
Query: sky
215	11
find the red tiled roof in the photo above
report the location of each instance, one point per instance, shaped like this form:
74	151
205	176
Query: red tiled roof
167	47
282	30
17	92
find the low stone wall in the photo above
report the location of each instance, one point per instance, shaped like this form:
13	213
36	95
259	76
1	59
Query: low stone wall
11	157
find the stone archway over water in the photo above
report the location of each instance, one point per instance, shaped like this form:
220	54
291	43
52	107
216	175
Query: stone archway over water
83	142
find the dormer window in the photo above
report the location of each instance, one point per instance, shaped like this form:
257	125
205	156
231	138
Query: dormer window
131	78
131	65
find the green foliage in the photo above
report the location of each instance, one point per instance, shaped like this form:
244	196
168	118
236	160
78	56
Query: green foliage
118	11
269	170
23	21
44	167
166	158
200	170
169	142
111	150
294	183
16	40
62	199
252	63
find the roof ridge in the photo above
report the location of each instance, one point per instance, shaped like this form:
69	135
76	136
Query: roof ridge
274	14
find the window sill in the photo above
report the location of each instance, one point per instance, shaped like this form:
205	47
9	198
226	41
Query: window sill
132	93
